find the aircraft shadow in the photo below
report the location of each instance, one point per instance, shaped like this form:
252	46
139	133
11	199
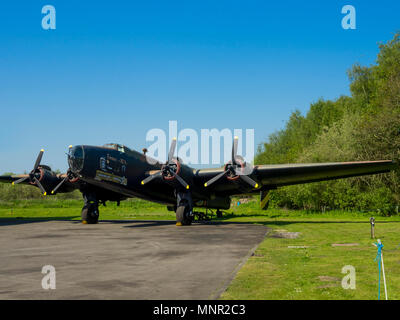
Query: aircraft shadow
17	221
151	223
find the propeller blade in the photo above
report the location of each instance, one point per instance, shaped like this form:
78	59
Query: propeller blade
151	177
234	149
38	159
172	150
247	169
40	186
249	180
217	177
20	180
59	185
182	182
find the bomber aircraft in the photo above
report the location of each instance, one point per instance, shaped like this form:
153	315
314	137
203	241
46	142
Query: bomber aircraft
113	172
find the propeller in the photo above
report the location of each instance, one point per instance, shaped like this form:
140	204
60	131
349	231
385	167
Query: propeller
72	177
33	174
170	170
69	176
235	169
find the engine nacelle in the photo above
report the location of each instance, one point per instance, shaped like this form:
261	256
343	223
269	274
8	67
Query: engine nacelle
48	179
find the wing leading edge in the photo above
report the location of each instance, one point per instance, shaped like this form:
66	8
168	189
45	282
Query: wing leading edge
289	174
272	176
13	178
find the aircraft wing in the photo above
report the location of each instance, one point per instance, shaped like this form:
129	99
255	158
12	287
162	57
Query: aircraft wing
15	177
273	176
49	183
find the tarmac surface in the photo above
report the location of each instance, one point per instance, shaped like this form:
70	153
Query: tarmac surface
123	259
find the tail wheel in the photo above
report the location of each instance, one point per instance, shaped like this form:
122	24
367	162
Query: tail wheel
182	216
90	213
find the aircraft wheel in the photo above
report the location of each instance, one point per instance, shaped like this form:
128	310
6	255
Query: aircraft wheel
182	216
90	214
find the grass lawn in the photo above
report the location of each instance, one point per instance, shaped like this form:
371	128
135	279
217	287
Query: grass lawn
275	271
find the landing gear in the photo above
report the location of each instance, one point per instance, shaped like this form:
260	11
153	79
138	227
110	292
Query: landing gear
183	217
184	209
90	211
201	216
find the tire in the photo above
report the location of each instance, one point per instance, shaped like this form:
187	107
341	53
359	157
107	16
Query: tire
188	221
182	218
90	214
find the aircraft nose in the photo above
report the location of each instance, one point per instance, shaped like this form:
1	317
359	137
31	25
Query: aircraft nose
76	156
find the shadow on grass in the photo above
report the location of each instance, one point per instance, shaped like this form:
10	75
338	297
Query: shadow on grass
288	222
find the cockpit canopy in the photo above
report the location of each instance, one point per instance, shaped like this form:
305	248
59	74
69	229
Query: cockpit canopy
118	147
76	157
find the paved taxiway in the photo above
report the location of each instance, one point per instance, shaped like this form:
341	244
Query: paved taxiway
122	259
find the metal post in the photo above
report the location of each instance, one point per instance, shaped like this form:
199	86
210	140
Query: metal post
383	272
372	221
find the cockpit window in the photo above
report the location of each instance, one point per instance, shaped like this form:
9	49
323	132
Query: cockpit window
110	146
76	152
117	147
76	158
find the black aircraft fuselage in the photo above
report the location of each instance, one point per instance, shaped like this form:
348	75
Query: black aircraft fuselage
121	171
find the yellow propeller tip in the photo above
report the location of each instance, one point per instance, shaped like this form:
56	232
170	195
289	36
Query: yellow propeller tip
52	192
205	184
45	193
256	186
13	183
142	182
174	138
187	187
236	138
70	146
42	150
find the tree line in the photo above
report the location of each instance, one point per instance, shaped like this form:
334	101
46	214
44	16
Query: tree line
362	126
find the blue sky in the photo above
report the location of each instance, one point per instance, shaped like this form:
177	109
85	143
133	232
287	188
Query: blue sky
113	70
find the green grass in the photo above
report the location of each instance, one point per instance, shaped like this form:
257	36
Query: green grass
275	271
278	272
